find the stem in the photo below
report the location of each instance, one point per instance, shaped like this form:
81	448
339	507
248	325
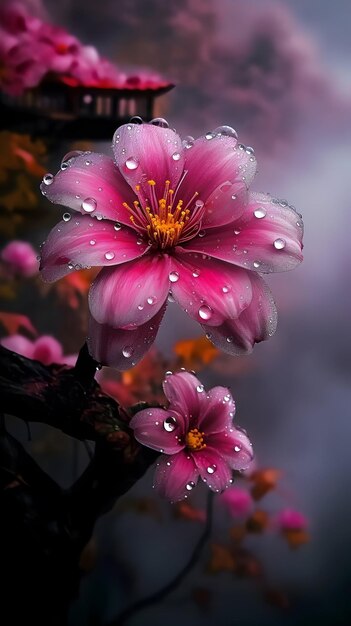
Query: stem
173	584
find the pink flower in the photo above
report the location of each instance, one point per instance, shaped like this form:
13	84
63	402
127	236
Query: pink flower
289	519
197	435
170	218
45	349
238	501
21	258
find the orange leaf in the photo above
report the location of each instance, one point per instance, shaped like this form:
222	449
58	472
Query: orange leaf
264	481
195	353
13	322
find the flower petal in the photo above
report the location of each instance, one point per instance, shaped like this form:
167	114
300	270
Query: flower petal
146	152
86	242
91	177
213	469
130	294
173	475
185	394
256	323
267	237
234	446
219	411
159	429
208	289
120	348
19	344
225	205
212	162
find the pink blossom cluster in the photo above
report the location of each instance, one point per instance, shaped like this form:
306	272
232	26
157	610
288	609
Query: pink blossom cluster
20	258
45	349
32	50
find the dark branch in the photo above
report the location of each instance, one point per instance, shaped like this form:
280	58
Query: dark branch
159	595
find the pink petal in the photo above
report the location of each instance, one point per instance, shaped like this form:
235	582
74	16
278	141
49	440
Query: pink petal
256	323
19	344
153	428
132	293
173	475
85	242
210	290
238	502
267	238
234	446
185	394
225	205
218	412
213	469
212	162
146	152
47	350
93	177
122	348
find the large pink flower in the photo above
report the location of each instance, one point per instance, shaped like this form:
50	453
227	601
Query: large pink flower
196	435
170	217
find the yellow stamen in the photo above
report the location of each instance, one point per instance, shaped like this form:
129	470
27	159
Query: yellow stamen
194	439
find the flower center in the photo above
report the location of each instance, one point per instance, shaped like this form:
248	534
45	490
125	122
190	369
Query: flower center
165	220
194	440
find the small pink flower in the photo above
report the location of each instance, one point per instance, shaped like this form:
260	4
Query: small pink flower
196	434
170	217
45	349
238	501
21	258
289	519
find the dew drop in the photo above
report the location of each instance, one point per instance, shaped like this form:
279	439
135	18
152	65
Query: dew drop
202	233
200	388
151	300
205	312
66	217
176	156
188	142
160	121
136	119
226	131
92	242
109	255
89	205
279	244
48	179
256	264
127	351
225	289
226	398
234	196
211	469
131	163
196	273
140	307
170	424
169	373
236	232
229	339
70	266
249	150
170	297
210	135
117	226
237	448
260	213
190	485
173	277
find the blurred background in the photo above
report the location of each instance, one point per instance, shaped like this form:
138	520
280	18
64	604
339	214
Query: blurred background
279	72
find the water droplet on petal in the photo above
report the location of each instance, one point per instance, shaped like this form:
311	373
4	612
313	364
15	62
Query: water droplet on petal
210	135
249	150
226	398
92	242
136	119
190	485
211	469
169	373
151	300
237	448
109	255
205	312
229	339
176	156
173	277
127	351
260	212
140	307
225	289
160	121
117	226
170	297
200	388
202	233
279	244
256	264
48	179
188	142
131	163
89	205
170	424
66	217
196	273
70	266
226	131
